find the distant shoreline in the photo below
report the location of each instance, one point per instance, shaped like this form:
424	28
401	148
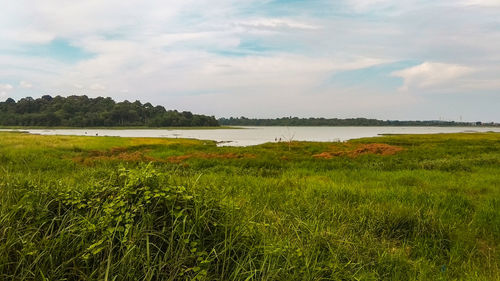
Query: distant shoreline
119	128
354	122
230	127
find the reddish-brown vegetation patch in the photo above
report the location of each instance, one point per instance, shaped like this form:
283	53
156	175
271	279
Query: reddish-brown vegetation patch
201	155
487	248
124	154
115	154
361	149
377	148
326	155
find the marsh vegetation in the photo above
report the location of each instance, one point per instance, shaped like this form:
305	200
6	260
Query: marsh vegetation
406	207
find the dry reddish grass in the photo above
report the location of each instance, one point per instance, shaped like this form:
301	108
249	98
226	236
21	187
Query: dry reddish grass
361	149
201	155
115	154
487	248
122	154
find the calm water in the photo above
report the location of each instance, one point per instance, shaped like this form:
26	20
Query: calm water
258	135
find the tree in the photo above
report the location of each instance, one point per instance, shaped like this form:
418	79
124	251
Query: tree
81	111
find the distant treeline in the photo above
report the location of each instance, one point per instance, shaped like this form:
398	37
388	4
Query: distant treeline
295	121
82	111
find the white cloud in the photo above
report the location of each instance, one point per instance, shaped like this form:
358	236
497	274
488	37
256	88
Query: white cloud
365	5
277	23
28	35
486	3
431	74
25	85
97	87
6	87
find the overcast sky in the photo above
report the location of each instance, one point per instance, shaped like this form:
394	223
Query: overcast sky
386	59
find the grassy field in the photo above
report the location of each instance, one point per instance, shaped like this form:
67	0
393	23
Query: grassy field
402	207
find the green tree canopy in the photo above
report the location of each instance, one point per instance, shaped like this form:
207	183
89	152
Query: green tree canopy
82	111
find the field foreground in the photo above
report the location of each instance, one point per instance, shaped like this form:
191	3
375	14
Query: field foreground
406	207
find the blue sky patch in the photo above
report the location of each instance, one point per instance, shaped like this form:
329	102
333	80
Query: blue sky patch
249	47
58	49
378	76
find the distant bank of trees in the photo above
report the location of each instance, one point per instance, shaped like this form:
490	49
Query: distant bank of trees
295	121
82	111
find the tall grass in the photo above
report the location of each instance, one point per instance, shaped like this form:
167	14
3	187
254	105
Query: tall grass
79	208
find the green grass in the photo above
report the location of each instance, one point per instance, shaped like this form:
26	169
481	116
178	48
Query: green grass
109	208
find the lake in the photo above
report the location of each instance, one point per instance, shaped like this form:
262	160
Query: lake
258	135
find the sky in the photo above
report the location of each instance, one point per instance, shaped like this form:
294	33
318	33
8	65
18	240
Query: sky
384	59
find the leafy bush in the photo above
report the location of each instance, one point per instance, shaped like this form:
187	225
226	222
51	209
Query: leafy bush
135	225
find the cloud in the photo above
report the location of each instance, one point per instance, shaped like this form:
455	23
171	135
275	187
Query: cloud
431	74
277	23
27	35
365	5
215	56
25	85
486	3
97	87
6	87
